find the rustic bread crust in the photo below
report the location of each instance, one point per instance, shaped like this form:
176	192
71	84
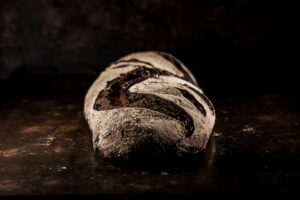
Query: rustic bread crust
148	98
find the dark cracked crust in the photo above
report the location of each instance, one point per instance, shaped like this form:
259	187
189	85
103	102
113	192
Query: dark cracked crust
205	99
192	99
174	61
132	60
117	95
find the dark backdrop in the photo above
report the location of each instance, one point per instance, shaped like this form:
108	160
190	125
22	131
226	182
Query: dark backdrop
229	45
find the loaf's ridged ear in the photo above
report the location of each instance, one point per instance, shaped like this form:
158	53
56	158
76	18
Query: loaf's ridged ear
146	97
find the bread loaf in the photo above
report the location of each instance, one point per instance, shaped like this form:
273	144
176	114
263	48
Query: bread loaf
148	100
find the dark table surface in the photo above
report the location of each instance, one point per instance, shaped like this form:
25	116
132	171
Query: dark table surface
46	147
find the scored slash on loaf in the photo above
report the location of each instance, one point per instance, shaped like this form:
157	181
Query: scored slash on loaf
148	100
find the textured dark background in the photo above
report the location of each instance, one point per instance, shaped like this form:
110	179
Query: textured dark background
234	42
